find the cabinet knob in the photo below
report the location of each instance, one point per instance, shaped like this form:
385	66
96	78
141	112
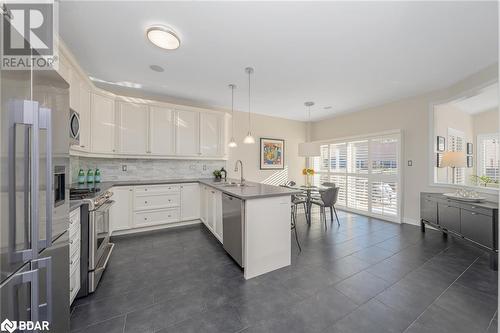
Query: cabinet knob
145	189
71	290
473	213
145	202
145	219
83	146
473	207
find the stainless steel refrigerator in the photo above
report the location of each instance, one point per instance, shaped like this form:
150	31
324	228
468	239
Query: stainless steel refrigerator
34	207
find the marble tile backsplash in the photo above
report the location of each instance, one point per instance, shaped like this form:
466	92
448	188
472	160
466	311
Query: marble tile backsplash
144	169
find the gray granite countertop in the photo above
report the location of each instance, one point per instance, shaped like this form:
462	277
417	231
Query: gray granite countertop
74	204
251	191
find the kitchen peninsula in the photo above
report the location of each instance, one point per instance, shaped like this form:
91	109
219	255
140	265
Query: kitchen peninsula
251	221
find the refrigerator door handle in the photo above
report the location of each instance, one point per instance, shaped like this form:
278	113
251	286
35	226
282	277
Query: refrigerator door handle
45	122
24	112
47	264
31	277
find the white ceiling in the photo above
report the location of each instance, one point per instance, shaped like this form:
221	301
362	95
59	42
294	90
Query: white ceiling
347	55
485	100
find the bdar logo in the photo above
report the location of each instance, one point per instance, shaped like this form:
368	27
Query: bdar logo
8	326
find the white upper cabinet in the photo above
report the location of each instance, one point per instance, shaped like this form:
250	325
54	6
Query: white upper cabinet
103	124
161	131
74	90
187	128
211	134
133	128
84	111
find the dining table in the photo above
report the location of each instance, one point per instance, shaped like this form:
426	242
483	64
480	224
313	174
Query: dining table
308	190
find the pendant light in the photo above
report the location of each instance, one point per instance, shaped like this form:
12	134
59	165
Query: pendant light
249	139
309	149
232	142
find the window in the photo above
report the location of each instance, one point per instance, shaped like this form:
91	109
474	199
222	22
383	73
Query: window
367	172
456	142
487	163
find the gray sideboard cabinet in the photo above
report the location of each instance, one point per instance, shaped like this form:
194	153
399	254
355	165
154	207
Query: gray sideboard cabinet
475	222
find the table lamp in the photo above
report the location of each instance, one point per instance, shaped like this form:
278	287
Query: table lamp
454	159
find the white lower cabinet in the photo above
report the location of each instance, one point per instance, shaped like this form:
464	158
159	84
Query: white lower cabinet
74	253
145	206
121	212
190	201
213	211
154	217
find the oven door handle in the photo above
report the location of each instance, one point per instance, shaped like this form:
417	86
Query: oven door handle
105	206
105	264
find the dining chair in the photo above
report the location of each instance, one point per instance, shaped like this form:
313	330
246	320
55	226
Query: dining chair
328	200
295	203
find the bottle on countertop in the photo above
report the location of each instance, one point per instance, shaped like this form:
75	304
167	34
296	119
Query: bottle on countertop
81	177
90	176
97	175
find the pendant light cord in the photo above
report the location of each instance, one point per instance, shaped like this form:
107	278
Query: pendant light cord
232	110
249	118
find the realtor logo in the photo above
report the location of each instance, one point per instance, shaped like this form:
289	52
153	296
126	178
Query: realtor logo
24	326
28	38
8	326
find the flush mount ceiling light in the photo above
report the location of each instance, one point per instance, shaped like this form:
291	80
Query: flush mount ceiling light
156	68
232	142
163	37
249	139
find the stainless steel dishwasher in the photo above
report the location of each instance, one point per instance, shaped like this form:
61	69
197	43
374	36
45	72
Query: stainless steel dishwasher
232	225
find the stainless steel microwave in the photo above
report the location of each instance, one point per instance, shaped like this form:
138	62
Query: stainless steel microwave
74	128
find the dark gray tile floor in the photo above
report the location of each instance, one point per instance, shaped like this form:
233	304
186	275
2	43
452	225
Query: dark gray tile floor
365	276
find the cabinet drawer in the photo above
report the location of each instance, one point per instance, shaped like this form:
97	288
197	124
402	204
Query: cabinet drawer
428	209
477	227
474	208
160	216
74	245
74	231
74	284
74	262
156	201
449	217
154	189
74	220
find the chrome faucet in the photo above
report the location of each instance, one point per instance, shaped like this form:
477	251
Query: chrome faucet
242	180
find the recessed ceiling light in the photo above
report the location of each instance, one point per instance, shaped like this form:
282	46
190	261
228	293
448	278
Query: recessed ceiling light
156	68
163	37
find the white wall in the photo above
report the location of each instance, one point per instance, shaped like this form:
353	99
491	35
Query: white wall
292	131
412	117
448	116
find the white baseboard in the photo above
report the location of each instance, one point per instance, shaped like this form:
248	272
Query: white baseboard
411	221
152	228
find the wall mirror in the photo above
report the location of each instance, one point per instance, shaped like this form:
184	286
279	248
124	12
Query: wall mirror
466	140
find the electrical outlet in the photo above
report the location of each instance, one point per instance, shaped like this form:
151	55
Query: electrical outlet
204	167
124	167
410	163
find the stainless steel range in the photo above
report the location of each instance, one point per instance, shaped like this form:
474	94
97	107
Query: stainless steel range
97	236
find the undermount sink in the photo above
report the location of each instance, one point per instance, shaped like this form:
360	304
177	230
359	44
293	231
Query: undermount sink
233	184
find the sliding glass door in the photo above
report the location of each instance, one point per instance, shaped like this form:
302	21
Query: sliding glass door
367	171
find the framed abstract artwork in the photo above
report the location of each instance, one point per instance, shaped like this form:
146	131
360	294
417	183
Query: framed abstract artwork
441	143
470	162
469	148
439	159
272	154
